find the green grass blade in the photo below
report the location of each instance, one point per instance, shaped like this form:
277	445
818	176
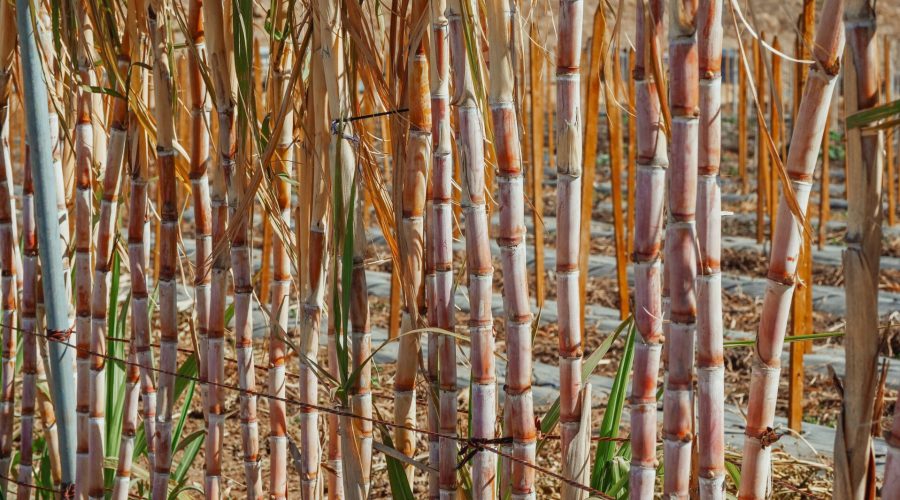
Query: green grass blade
734	472
115	370
186	373
42	475
191	446
400	488
140	444
871	115
788	339
601	477
185	409
229	313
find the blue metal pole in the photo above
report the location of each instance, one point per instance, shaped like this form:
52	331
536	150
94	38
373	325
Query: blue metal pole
62	355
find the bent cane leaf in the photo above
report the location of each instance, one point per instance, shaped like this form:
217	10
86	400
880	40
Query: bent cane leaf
602	475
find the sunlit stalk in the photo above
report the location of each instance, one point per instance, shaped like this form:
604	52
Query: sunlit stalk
281	59
124	465
461	15
358	453
574	396
51	254
199	127
167	245
681	257
217	17
139	249
652	162
84	214
413	176
30	357
710	354
439	240
503	27
314	213
8	248
107	231
800	166
236	177
341	165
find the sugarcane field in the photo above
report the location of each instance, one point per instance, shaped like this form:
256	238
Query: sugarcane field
446	249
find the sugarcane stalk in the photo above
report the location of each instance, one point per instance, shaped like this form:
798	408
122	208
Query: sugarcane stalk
652	162
34	379
574	396
107	229
39	139
62	167
124	465
434	345
217	18
28	311
236	178
801	306
413	178
139	247
854	456
710	329
139	378
281	57
800	167
164	91
357	451
802	303
439	241
334	473
681	256
8	246
431	363
84	213
357	434
313	235
35	384
470	141
341	162
43	381
519	405
7	194
199	163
